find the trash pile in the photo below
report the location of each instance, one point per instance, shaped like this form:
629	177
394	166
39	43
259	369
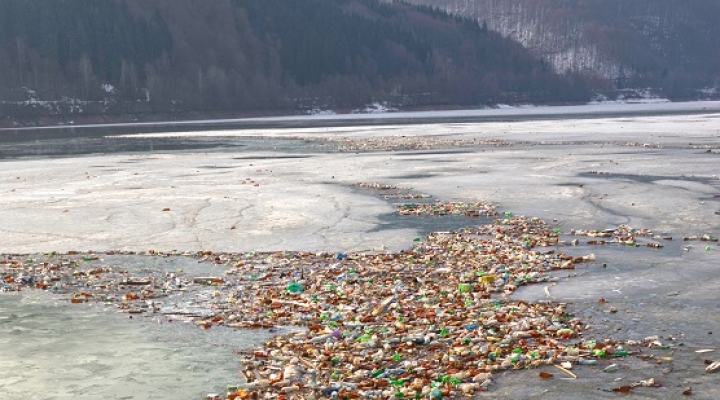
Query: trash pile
626	235
427	207
439	207
429	322
392	143
425	322
390	192
623	234
414	196
407	143
375	185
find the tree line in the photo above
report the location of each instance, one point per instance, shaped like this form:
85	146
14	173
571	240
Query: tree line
225	55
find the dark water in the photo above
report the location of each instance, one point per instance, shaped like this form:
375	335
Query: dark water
426	224
70	147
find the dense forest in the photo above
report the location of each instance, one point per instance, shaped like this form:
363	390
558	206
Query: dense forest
670	45
162	56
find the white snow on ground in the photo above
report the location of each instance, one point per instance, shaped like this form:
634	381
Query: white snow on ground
632	96
320	111
375	108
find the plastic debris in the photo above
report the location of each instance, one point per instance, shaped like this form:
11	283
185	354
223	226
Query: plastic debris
563	368
713	367
439	208
294	287
390	143
611	368
430	321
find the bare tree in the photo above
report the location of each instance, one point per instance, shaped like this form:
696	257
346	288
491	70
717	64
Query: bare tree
219	82
124	74
133	78
200	82
21	56
152	82
86	70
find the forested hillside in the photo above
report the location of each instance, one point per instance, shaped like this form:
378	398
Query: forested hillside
672	45
152	56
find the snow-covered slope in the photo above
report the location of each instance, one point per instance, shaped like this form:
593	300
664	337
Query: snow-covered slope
671	44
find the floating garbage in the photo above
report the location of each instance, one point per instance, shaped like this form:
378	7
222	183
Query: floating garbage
431	321
375	185
713	367
611	368
294	287
440	208
624	235
389	143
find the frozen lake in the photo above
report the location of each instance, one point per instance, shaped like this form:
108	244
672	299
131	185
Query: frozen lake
268	184
290	188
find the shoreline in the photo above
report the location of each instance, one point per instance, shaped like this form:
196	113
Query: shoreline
510	114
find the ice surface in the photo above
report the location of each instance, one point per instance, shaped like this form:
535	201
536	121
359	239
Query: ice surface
57	351
76	204
658	172
115	201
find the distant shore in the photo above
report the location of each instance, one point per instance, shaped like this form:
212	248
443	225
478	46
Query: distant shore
85	128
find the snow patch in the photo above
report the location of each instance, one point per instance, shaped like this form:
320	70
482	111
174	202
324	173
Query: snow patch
503	106
32	95
375	108
631	96
320	111
108	88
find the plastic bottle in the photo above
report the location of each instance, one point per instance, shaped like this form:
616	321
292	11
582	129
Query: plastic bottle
611	368
294	287
436	394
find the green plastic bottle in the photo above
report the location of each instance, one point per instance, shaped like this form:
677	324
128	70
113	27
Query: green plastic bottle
294	287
